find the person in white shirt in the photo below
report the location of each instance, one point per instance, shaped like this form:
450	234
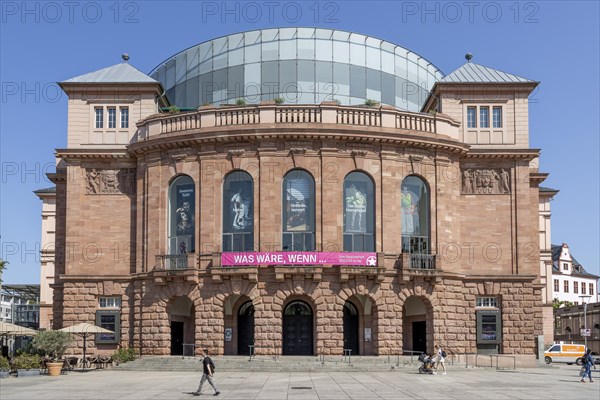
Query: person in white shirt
440	359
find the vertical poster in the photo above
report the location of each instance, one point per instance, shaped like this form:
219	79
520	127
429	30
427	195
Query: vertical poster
239	203
355	209
184	217
409	202
297	214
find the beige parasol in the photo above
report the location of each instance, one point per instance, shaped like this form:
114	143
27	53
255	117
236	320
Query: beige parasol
8	329
85	330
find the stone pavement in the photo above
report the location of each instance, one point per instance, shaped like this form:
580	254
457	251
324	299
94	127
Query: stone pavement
554	382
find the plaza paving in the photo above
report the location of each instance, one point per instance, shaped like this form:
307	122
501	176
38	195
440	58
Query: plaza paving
537	383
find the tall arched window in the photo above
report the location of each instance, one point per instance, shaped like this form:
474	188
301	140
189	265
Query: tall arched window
414	202
238	212
359	212
182	222
298	200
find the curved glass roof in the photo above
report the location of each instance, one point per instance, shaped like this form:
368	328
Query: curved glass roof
300	65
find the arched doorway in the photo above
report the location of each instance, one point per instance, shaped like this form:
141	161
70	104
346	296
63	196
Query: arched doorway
350	328
245	323
414	325
182	327
297	329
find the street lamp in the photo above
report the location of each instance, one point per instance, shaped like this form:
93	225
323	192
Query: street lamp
583	298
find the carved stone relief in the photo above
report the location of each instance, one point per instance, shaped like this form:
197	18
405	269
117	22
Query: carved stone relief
110	181
485	181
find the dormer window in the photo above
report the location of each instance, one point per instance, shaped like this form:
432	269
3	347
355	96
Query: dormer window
565	267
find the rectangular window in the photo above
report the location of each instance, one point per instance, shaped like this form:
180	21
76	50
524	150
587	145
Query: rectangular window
497	117
575	287
112	118
109	302
99	117
487	302
566	286
471	117
565	267
110	320
556	285
484	117
583	287
489	327
591	289
124	117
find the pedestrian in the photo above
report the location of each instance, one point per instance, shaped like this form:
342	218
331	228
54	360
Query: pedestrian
588	362
440	354
208	370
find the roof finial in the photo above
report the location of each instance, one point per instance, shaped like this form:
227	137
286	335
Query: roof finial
125	57
468	56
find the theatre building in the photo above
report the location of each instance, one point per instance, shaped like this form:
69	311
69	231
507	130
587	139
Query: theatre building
302	191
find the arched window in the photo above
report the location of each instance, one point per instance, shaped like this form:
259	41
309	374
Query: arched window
182	222
298	211
238	212
414	202
359	212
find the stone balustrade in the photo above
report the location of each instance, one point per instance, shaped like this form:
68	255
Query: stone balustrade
208	117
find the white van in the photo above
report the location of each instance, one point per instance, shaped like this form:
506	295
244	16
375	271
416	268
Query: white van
565	353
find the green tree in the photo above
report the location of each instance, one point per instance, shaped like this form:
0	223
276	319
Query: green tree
3	265
556	303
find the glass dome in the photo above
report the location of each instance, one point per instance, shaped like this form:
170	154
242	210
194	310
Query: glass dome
299	65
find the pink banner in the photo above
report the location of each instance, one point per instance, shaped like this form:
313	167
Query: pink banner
298	258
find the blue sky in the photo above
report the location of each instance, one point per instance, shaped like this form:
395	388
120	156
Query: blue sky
554	42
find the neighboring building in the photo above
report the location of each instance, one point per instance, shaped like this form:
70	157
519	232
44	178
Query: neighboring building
569	321
301	228
47	254
19	305
571	282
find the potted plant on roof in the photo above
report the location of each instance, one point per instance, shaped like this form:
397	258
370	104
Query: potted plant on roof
4	367
53	344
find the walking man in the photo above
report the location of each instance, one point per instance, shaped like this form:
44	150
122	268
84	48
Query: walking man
208	369
440	353
588	362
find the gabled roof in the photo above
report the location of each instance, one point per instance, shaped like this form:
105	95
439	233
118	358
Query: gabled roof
577	267
119	73
475	73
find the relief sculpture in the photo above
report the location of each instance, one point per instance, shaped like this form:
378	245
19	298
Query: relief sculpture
110	181
485	181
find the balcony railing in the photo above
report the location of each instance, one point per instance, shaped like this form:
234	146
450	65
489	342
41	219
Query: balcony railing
421	261
327	113
172	262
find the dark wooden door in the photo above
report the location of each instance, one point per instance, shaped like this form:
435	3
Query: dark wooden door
176	338
351	328
298	330
245	328
419	337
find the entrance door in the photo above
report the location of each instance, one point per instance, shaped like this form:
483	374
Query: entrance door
245	328
176	338
419	337
297	330
350	328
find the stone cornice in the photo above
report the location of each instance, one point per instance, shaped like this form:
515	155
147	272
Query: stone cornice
78	278
511	154
98	154
285	132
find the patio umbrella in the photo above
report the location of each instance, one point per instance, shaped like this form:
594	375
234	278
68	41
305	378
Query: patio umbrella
85	330
8	329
